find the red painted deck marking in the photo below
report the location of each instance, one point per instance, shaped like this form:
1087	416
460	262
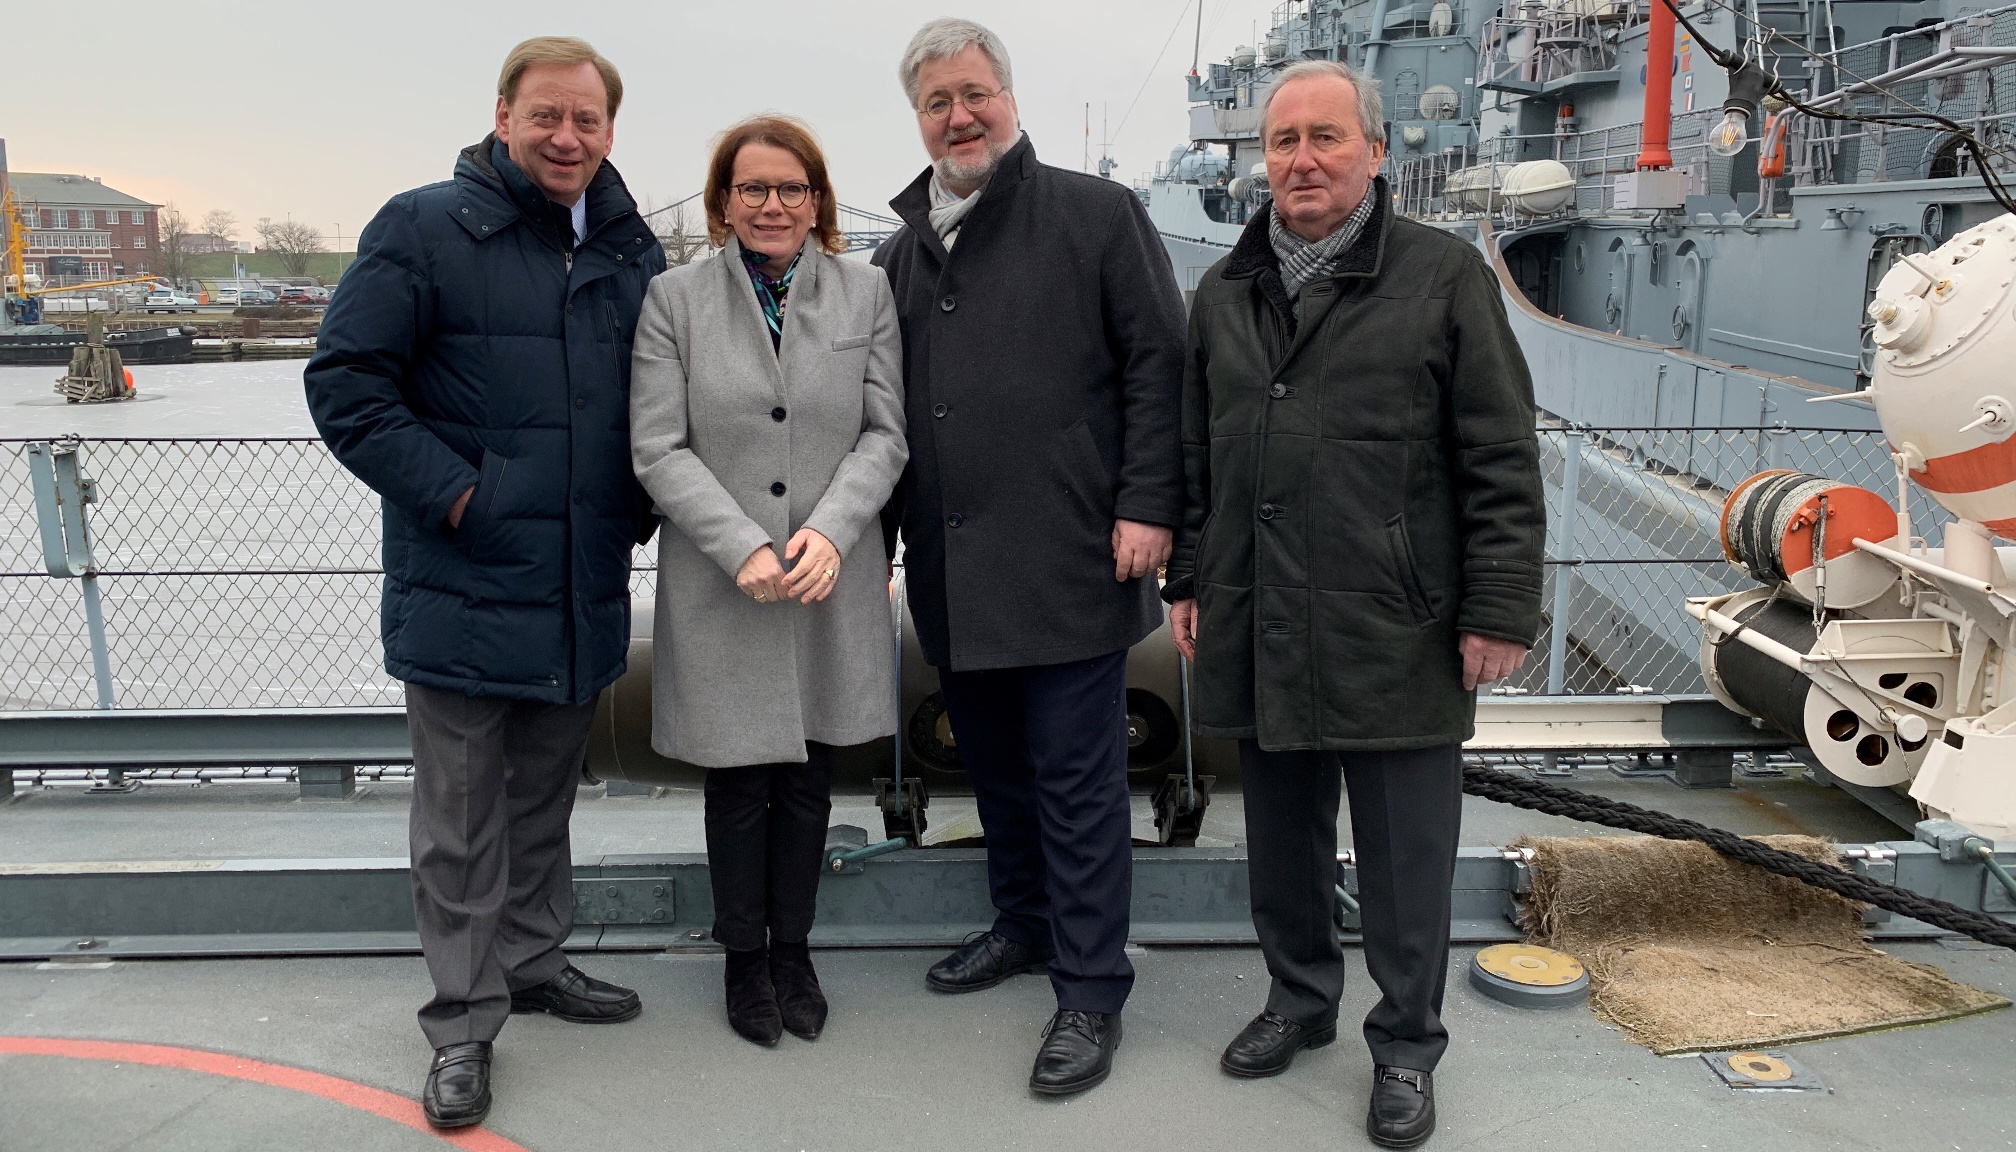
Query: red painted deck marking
377	1101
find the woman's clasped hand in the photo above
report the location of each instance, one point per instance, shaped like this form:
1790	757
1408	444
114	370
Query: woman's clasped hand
809	581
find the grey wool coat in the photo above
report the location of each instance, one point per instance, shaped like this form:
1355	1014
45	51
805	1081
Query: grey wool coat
739	447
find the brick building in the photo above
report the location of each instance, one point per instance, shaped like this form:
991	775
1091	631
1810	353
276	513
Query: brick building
81	229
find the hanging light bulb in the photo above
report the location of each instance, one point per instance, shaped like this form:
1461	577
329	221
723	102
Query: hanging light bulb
1728	137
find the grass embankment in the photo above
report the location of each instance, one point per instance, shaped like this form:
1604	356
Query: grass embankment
217	265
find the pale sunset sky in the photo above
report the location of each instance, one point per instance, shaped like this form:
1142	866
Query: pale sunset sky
321	112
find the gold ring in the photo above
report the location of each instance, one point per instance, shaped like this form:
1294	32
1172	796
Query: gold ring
829	573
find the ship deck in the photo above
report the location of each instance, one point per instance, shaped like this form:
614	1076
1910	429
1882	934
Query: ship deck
899	1067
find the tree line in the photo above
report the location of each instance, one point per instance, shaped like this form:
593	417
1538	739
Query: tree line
293	242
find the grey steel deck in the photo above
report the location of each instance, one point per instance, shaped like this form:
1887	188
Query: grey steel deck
903	1068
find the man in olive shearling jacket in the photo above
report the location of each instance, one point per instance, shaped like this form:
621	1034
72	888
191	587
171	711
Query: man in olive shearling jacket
1360	549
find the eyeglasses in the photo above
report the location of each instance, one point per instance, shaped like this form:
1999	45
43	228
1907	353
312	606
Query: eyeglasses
790	195
975	102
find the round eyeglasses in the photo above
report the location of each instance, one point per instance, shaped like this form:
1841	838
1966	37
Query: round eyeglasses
974	101
790	195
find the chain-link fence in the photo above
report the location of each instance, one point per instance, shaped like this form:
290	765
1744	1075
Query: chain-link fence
236	573
246	573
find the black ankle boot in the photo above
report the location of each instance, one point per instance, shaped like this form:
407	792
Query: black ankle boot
799	998
752	1000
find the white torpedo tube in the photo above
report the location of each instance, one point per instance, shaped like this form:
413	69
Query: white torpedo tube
1891	659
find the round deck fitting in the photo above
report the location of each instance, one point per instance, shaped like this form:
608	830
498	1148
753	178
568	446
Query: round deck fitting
1762	1067
1527	976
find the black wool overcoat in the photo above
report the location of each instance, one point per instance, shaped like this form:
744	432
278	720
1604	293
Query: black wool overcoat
1042	360
472	344
1362	485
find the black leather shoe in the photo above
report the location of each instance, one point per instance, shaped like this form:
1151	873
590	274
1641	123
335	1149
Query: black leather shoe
458	1085
752	999
800	1000
1268	1045
1402	1113
983	962
1077	1052
579	998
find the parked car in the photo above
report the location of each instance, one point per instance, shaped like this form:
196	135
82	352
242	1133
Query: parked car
256	298
169	301
320	293
298	297
224	296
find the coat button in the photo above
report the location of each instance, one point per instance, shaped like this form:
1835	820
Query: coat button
577	498
939	411
777	414
777	489
570	309
955	520
948	303
1278	391
580	402
1268	511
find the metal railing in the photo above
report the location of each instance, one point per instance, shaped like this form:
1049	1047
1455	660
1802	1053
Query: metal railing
245	573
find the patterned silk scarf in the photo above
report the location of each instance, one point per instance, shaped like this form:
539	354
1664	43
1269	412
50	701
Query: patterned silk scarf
770	293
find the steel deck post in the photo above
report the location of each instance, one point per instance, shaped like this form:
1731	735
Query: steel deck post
1564	572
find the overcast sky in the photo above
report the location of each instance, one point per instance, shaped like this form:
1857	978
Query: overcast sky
322	112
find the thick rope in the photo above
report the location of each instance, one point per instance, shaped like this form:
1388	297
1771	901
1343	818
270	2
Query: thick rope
1554	800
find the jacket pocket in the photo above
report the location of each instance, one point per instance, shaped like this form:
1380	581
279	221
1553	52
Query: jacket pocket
849	343
471	533
1408	571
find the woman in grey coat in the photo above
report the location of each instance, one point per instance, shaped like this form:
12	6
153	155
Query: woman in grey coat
766	423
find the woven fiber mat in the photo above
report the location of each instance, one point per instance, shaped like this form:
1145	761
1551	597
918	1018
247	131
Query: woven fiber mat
1688	951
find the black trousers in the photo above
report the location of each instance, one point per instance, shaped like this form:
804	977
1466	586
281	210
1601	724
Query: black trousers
493	880
766	847
1406	809
1046	750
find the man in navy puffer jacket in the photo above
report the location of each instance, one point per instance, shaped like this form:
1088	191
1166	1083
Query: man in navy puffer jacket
474	370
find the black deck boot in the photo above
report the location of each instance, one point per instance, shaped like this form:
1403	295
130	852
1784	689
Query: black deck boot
752	999
1402	1112
800	1000
458	1085
1267	1045
1077	1052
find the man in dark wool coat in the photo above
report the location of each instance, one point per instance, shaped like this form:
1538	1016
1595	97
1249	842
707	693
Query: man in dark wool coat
1360	549
475	372
1042	352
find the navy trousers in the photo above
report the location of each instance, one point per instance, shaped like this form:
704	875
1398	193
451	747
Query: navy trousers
1046	750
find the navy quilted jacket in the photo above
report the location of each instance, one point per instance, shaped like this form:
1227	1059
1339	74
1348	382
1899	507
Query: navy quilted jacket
468	347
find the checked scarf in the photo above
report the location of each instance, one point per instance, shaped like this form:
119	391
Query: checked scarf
1305	260
770	293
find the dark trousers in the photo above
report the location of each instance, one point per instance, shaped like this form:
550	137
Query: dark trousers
1046	750
1406	808
493	880
766	845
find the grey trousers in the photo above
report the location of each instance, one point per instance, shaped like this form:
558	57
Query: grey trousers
493	888
1406	810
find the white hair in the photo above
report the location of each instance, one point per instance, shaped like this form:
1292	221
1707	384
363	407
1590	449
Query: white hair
1371	109
947	37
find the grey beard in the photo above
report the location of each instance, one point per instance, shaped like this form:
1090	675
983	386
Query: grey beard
950	173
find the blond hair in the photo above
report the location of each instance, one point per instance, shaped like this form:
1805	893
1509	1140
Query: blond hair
557	51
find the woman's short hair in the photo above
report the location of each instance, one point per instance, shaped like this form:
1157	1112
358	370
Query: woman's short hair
562	52
792	136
